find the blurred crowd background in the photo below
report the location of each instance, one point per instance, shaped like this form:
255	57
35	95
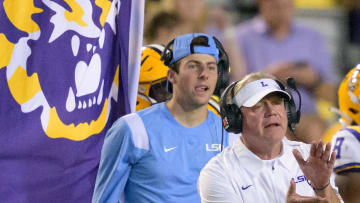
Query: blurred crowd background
336	21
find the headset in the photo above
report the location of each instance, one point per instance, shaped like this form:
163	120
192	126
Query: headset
223	64
232	117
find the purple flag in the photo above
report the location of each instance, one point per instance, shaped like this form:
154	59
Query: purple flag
68	70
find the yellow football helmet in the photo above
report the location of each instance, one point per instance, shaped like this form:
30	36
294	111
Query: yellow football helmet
349	97
152	81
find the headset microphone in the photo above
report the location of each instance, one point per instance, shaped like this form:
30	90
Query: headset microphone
291	83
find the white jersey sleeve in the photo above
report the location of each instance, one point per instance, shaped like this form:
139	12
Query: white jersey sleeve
346	144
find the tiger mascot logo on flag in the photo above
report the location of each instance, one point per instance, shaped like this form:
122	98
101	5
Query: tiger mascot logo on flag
64	66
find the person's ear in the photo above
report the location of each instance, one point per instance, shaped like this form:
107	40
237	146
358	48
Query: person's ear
171	76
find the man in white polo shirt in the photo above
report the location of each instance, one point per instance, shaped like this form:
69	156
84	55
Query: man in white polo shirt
263	166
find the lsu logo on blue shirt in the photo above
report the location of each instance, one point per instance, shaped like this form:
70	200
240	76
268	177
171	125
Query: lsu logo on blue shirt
213	147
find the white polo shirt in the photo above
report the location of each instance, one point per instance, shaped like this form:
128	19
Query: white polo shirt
238	175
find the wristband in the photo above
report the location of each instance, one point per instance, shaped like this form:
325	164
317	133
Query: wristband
321	188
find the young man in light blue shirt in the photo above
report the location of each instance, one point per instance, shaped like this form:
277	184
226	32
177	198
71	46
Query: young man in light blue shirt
156	154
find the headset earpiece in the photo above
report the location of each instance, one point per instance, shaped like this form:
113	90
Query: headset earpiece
293	115
233	119
167	54
230	113
223	68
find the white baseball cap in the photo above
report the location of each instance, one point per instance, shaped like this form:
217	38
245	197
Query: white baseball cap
253	92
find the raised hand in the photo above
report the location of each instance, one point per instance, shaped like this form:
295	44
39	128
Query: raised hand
318	166
293	197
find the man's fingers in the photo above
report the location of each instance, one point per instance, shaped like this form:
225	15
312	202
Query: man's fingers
292	188
332	159
319	150
326	154
298	157
310	199
293	197
313	149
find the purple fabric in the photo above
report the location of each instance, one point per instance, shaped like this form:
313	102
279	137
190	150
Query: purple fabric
260	49
38	168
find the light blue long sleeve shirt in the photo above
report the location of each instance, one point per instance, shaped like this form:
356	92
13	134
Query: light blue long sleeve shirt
148	156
